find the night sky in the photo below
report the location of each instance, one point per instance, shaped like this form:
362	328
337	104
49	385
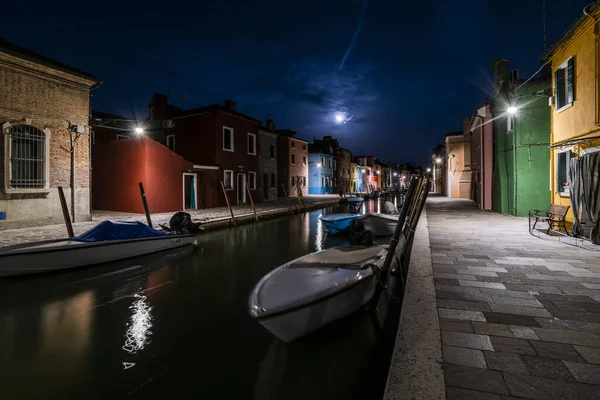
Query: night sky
413	70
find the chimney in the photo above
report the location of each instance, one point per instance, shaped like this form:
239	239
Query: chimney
501	77
514	75
270	125
229	105
158	107
466	123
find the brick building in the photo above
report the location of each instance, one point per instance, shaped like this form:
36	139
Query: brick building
42	104
292	164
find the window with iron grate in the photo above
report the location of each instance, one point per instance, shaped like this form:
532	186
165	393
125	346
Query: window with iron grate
27	157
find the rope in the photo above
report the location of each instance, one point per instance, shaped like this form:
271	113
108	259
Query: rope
377	273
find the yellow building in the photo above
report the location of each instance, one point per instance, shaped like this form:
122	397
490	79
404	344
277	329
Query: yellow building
575	129
353	177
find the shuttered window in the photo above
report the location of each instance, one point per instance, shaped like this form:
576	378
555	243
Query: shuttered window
564	84
563	160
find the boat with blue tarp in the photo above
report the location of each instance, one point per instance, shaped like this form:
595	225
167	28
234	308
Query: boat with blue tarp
336	223
106	242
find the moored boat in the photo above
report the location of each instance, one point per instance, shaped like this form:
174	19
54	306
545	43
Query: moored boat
312	291
336	223
107	242
380	224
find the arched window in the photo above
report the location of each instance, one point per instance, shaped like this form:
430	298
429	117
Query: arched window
27	157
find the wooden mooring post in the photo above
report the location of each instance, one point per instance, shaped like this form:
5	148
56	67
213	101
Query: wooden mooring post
145	203
284	191
228	205
65	210
251	202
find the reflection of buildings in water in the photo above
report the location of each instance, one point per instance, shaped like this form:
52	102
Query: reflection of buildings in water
159	277
139	326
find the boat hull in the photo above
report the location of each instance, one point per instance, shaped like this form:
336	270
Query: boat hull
335	226
294	324
380	224
50	256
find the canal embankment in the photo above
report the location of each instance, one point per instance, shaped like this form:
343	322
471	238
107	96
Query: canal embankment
213	218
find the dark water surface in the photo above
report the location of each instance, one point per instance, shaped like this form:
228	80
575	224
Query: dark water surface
177	326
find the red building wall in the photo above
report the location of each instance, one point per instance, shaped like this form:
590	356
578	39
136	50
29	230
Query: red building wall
119	166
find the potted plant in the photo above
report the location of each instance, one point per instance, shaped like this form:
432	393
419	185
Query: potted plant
565	187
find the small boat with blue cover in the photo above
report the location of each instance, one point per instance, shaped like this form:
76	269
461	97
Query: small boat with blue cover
336	223
107	242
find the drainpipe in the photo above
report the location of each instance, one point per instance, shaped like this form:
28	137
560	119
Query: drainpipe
597	87
514	140
90	144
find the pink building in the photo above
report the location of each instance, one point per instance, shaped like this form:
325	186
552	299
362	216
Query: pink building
482	160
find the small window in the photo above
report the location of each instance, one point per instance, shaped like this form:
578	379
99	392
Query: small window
293	161
322	181
252	180
271	151
293	145
564	84
171	142
303	160
27	157
252	144
228	180
303	181
227	139
293	181
322	161
303	147
272	180
563	159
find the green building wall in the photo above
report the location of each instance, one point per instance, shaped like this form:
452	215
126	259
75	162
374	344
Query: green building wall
522	157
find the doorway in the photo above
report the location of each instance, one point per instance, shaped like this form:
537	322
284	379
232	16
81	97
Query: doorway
241	188
190	191
265	186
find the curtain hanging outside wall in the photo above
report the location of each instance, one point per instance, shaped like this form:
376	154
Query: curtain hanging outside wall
584	174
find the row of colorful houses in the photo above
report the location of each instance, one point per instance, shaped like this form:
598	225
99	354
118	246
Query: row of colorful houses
186	159
537	141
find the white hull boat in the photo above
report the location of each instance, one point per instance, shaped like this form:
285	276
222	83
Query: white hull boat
312	291
380	224
107	242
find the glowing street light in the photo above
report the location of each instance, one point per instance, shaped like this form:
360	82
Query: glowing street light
428	169
438	160
395	173
319	165
139	130
512	110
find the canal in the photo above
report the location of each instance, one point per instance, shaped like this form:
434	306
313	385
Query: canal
177	325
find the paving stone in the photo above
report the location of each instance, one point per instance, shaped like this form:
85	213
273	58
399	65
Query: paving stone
591	308
516	301
469	340
523	332
537	388
590	354
569	337
466	394
566	305
556	350
505	362
567	324
464	356
534	288
443	281
453	276
443	294
492	329
461	314
475	378
512	345
546	368
519	310
492	268
459	289
455	325
595	286
463	305
443	269
488	285
511	319
584	373
582	316
506	293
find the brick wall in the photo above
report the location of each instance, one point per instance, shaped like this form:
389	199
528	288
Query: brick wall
51	99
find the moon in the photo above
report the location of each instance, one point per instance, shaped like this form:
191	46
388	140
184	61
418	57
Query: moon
339	118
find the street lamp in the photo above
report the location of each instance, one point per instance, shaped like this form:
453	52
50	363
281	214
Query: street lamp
428	169
319	165
512	110
139	130
438	160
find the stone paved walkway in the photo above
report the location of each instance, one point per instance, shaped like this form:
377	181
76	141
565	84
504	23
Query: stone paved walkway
50	232
519	316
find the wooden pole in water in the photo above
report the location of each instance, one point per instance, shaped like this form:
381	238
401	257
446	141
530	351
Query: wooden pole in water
410	196
145	203
251	202
284	191
228	205
65	210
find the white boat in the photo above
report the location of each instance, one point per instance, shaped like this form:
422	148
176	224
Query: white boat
107	242
312	291
380	224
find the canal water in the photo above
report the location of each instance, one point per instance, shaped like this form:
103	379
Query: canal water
177	325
